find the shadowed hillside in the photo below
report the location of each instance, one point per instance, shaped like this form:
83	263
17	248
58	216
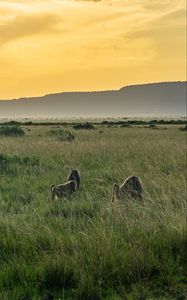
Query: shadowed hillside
137	100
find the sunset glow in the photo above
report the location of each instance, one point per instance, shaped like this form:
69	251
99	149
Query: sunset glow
49	46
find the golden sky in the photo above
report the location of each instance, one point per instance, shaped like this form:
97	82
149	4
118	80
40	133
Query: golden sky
49	46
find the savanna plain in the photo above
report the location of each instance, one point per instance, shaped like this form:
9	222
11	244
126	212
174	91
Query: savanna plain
88	248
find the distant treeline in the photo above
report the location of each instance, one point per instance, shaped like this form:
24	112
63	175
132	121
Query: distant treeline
84	125
143	122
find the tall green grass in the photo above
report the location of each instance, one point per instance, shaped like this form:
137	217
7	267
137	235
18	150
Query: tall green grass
88	248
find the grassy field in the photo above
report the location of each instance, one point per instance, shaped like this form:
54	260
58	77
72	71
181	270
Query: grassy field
88	248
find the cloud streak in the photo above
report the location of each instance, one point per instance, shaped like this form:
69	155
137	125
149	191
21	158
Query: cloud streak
26	25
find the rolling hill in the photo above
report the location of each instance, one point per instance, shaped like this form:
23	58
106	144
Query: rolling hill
154	99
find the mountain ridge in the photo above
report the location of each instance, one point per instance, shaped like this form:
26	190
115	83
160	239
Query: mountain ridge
96	91
162	98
